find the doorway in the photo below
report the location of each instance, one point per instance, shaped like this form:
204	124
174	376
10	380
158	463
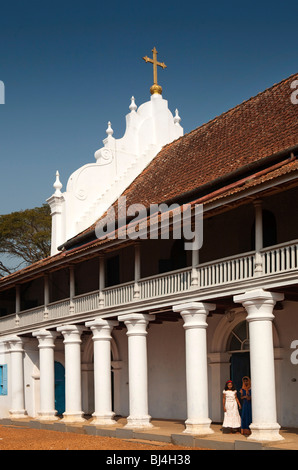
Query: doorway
238	346
240	366
59	388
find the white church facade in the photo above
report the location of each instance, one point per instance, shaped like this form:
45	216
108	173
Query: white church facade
139	326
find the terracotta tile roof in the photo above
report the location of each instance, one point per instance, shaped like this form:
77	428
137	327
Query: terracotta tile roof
260	127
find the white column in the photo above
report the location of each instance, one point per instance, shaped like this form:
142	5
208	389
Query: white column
258	237
101	299
71	289
101	329
194	269
194	315
73	386
18	303
137	270
17	410
137	368
46	346
46	295
259	305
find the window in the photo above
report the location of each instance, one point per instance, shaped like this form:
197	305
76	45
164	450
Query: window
3	379
239	340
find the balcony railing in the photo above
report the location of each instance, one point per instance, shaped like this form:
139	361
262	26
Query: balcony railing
278	259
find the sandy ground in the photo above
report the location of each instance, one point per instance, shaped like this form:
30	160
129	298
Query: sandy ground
21	438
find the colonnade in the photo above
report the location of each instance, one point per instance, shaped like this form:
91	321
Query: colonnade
259	305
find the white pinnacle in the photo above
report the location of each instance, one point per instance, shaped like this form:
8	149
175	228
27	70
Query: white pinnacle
133	106
57	185
109	130
177	118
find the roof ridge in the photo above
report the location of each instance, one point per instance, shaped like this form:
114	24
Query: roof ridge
234	108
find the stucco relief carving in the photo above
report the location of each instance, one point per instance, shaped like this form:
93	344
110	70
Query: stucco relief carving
104	156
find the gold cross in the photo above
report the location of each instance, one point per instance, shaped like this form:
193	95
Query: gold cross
155	88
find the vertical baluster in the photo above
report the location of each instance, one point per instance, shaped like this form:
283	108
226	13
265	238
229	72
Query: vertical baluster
277	253
282	259
288	265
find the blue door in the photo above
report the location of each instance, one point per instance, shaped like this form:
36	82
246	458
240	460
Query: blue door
59	388
240	366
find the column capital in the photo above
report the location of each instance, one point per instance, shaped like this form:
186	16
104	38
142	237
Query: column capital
45	337
101	328
136	323
194	307
194	313
253	300
15	343
257	202
71	333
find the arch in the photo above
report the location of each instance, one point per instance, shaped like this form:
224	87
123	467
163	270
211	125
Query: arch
224	329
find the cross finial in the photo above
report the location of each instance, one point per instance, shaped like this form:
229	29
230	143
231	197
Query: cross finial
155	87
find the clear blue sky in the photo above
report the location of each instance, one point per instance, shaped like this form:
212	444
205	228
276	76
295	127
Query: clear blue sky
71	66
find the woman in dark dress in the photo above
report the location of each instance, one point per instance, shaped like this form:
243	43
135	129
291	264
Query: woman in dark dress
246	415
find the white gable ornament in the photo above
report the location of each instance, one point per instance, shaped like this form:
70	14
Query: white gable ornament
94	187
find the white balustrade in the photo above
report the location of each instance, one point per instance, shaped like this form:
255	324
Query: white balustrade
277	259
280	258
86	302
165	284
227	270
58	309
118	295
32	316
7	323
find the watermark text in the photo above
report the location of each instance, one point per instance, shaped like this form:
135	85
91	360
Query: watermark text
294	94
2	92
160	221
294	355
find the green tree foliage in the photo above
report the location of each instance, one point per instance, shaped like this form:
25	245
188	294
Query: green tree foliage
25	237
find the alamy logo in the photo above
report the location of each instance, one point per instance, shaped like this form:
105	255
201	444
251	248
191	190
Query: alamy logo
160	221
294	94
2	93
294	355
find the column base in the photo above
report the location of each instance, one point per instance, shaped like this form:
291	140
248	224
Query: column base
47	416
73	417
142	422
103	420
197	427
18	414
265	432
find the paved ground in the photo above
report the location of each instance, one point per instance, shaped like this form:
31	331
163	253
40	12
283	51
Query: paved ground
17	437
165	435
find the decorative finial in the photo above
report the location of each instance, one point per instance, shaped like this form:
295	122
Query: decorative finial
177	118
133	106
109	130
57	185
155	87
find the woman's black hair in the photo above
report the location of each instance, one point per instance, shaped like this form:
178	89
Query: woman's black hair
226	386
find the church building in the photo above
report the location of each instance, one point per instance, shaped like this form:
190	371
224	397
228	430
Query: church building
173	268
